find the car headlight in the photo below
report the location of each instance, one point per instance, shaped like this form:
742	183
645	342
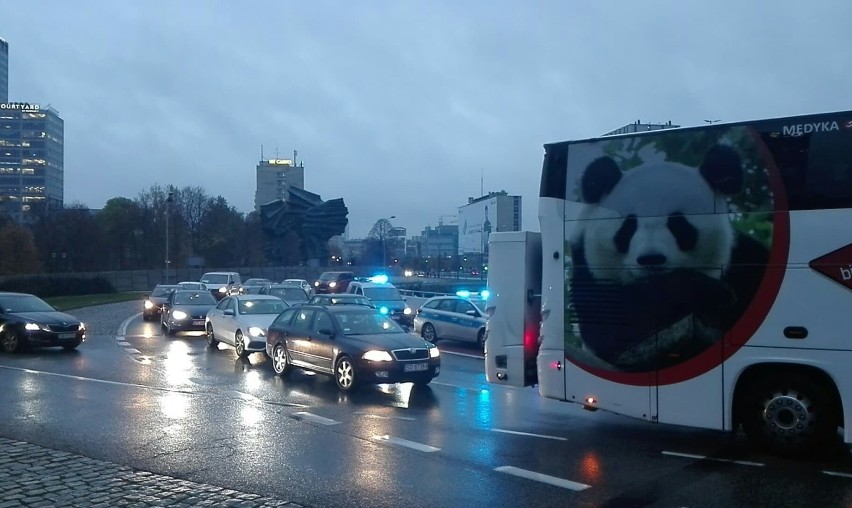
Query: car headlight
332	284
407	311
179	314
256	331
377	356
149	304
316	283
223	290
82	327
32	326
434	353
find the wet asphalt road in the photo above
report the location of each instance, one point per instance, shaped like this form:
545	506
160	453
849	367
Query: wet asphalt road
174	407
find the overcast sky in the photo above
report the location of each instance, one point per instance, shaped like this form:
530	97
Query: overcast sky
398	106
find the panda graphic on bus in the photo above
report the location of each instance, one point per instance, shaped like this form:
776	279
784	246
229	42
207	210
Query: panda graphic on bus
667	250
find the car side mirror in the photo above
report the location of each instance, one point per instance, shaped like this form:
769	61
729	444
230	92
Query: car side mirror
229	312
471	313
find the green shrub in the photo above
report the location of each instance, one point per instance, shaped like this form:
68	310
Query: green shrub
46	286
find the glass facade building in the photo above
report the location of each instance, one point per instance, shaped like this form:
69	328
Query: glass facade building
4	71
31	159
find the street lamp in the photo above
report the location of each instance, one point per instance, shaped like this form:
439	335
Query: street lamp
384	250
168	202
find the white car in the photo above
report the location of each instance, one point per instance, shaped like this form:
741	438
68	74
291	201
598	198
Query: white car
241	321
450	317
302	283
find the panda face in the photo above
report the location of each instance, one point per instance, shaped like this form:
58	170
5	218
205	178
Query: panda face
653	219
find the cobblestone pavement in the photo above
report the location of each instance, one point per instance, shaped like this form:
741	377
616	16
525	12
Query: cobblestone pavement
40	477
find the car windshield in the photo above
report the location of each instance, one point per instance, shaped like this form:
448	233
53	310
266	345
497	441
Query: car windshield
193	298
24	303
289	293
262	306
328	276
190	285
215	279
363	322
384	294
257	281
162	291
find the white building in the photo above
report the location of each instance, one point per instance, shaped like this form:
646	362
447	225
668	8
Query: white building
496	211
275	177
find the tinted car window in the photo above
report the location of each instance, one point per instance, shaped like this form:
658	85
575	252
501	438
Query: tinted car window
382	294
289	293
448	305
161	291
322	322
224	304
362	322
284	317
265	306
303	320
24	303
215	279
181	298
463	306
431	305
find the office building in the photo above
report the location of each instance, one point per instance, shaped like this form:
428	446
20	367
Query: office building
275	177
31	159
4	71
496	211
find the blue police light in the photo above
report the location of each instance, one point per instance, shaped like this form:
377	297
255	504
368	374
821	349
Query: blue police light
484	294
463	293
383	310
379	279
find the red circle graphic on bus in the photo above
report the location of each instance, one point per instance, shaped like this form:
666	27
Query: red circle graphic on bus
677	254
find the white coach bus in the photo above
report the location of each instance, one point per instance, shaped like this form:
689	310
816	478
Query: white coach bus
696	276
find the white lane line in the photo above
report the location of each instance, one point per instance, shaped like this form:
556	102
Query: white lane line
556	438
131	350
406	443
384	417
122	330
552	480
704	457
835	473
310	417
93	380
460	386
462	354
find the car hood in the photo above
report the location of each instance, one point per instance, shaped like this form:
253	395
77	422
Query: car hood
46	317
194	309
387	341
258	320
390	304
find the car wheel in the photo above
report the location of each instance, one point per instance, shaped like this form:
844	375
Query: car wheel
70	347
344	374
211	339
240	345
480	339
428	333
11	342
280	360
789	415
169	331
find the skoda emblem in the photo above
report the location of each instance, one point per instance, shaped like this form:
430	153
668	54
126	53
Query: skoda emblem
412	350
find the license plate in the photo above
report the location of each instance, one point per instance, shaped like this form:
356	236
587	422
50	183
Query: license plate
415	367
198	322
67	335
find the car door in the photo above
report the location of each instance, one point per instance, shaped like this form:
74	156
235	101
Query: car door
216	318
446	320
299	339
468	324
230	320
322	344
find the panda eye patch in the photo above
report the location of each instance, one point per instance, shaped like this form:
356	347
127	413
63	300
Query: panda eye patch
625	234
686	235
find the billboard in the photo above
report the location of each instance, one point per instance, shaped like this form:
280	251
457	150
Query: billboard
476	222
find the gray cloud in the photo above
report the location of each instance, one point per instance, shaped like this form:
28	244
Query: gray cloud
396	106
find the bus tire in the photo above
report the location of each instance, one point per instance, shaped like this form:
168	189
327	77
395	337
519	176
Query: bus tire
789	414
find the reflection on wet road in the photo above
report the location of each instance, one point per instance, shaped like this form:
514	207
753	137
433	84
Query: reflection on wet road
176	407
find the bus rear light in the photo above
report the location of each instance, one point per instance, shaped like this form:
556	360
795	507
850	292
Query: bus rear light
557	365
590	404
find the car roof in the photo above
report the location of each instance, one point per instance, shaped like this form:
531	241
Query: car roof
373	284
255	297
175	286
10	293
335	308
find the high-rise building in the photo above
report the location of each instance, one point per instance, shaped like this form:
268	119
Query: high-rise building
274	179
496	211
32	170
4	71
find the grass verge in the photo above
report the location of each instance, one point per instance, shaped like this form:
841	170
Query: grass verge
75	302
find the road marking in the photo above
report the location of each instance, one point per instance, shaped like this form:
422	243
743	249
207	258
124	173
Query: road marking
134	351
462	354
310	417
552	480
104	381
122	330
383	417
406	443
556	438
704	457
835	473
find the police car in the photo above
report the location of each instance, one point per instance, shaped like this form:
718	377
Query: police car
450	317
385	296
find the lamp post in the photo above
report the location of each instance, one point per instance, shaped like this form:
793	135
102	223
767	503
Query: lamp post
384	250
168	202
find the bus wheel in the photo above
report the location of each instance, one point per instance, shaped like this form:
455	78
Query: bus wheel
789	414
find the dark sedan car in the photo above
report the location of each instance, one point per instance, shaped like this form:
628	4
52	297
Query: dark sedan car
342	299
153	305
27	320
290	293
333	282
185	311
352	344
